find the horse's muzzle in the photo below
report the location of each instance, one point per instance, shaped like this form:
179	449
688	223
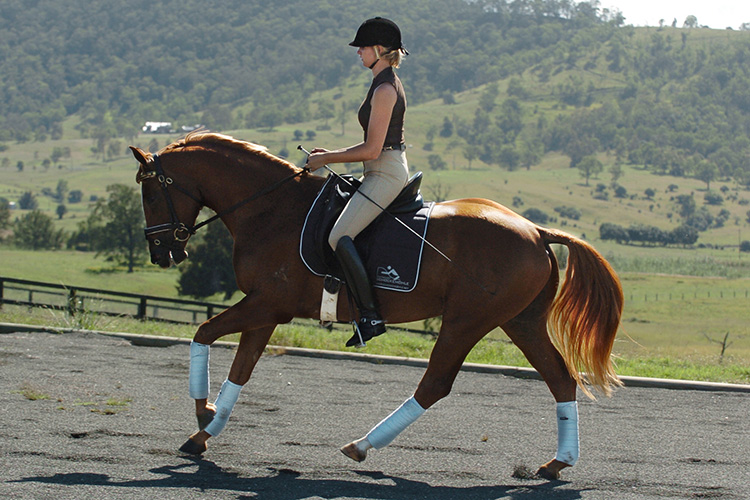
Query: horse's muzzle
165	256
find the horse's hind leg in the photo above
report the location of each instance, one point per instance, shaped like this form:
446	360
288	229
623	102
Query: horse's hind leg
213	418
533	340
445	362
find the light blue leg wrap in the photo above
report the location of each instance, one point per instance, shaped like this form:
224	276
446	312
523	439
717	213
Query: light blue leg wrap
199	378
224	404
391	426
567	432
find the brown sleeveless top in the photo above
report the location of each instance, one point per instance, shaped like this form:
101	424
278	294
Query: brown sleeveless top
395	135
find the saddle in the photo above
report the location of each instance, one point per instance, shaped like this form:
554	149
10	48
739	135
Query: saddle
391	253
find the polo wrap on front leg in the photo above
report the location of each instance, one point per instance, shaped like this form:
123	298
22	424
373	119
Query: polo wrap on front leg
198	379
224	404
567	432
391	426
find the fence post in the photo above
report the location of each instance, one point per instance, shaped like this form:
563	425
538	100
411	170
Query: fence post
72	301
141	309
1	293
209	312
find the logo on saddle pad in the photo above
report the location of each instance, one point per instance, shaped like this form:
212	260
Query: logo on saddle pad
389	276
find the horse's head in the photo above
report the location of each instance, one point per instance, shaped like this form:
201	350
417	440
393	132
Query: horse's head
170	209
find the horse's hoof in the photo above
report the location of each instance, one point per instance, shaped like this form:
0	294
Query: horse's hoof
205	418
352	451
551	470
193	448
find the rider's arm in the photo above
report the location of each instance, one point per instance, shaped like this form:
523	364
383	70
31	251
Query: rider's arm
383	100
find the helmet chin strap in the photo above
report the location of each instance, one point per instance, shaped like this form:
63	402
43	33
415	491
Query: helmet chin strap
374	63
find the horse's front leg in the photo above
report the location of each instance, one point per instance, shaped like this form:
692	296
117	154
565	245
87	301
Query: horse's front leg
213	417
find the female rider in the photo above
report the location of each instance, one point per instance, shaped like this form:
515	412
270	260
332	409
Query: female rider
386	171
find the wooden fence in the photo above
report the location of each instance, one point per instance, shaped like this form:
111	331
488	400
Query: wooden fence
81	300
77	300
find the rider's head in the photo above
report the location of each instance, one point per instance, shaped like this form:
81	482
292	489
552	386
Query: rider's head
384	36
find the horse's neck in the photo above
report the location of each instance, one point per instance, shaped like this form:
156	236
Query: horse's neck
284	207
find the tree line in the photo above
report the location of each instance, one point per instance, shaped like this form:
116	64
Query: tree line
118	65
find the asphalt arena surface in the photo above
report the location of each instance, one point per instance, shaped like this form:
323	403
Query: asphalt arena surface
86	415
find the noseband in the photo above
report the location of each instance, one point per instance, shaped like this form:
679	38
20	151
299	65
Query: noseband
180	231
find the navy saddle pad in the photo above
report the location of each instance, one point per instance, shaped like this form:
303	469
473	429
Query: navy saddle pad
391	253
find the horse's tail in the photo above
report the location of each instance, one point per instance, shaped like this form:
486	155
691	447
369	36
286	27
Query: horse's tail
585	315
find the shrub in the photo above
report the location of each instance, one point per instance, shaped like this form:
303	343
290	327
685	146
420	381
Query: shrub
536	215
713	198
568	212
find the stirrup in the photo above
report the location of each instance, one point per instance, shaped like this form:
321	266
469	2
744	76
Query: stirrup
364	330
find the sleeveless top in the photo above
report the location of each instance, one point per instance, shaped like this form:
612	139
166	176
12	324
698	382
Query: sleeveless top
395	135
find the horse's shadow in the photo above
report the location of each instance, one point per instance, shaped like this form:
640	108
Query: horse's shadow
286	484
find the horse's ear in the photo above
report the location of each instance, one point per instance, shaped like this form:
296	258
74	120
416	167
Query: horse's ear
139	155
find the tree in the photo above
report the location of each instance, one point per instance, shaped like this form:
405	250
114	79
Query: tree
447	129
713	198
436	162
690	22
209	269
487	99
75	196
470	153
61	190
687	205
616	172
683	235
36	231
27	201
590	166
706	172
536	215
121	215
61	210
609	231
4	213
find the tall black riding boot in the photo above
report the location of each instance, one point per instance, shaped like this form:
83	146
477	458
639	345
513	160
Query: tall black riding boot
370	323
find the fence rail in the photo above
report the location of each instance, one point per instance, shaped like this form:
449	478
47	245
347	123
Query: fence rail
78	300
695	294
82	300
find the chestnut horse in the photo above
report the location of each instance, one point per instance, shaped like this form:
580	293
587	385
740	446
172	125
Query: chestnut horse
501	273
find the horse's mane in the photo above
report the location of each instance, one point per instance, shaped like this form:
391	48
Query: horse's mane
209	140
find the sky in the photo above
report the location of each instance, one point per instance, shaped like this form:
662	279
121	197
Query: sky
716	14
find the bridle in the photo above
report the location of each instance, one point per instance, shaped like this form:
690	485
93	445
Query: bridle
180	231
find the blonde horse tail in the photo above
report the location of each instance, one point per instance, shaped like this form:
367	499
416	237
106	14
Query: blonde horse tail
586	313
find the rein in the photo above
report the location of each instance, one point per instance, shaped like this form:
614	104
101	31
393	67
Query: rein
181	231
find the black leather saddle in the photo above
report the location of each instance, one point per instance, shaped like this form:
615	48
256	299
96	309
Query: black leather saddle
333	197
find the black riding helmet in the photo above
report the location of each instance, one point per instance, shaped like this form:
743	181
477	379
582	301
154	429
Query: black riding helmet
379	31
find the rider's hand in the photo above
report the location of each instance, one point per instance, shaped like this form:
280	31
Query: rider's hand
317	159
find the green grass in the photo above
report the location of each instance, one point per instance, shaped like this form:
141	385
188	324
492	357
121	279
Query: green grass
32	393
675	356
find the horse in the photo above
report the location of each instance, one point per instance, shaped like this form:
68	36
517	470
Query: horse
494	268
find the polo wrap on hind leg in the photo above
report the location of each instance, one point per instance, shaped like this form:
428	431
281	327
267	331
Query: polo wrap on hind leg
567	432
224	404
199	378
391	426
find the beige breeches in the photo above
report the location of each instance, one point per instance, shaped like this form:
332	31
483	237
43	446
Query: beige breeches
384	178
